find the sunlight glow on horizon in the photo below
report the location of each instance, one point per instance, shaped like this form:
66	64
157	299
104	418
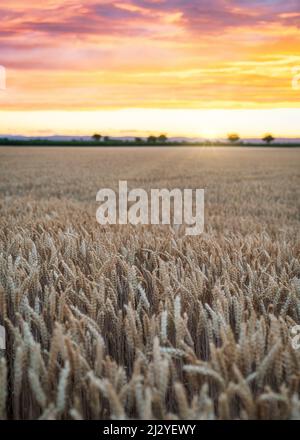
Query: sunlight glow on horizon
142	122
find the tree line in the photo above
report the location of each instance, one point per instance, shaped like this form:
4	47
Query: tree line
233	138
162	139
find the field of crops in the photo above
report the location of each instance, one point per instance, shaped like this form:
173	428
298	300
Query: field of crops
143	321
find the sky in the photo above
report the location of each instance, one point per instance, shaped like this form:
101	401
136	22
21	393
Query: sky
120	67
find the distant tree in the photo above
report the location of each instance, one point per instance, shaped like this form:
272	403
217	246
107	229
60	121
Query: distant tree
97	137
138	140
106	138
233	138
162	139
268	138
152	140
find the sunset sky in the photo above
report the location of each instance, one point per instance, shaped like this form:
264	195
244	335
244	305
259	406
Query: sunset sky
185	67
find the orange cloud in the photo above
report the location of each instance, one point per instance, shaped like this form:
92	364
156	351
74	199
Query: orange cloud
68	54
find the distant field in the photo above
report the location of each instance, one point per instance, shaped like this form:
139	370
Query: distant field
143	322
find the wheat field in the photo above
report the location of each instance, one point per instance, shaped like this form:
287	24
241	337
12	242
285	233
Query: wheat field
143	322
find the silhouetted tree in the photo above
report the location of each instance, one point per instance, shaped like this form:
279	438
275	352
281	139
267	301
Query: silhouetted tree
233	138
138	140
97	137
152	140
106	138
162	139
268	138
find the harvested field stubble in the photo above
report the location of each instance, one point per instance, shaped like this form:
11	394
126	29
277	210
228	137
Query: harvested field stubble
143	322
